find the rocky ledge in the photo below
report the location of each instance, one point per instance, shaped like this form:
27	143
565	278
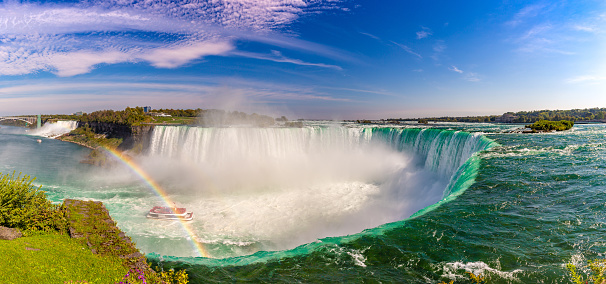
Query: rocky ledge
90	222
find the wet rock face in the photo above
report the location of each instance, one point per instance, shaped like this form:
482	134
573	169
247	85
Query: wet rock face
131	135
9	233
91	222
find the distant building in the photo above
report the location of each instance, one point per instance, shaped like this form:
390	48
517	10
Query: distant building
159	114
147	109
77	113
506	118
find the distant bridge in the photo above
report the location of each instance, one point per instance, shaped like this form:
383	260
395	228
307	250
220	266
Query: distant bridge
29	119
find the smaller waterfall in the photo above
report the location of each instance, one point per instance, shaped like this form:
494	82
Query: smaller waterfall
56	129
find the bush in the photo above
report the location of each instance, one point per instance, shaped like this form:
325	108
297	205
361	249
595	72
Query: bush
546	125
597	273
25	207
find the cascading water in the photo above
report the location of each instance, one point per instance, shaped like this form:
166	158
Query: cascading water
55	129
276	188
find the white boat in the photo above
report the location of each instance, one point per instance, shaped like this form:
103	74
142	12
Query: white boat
170	213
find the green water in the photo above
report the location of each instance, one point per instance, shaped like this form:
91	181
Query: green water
516	213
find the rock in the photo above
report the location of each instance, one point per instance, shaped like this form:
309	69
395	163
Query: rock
9	233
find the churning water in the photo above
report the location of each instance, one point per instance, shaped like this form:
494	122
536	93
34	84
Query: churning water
319	203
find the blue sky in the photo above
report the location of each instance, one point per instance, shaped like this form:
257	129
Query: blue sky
332	59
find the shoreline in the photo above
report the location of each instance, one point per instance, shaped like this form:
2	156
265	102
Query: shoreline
60	138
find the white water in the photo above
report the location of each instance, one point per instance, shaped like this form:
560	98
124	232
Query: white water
276	188
54	130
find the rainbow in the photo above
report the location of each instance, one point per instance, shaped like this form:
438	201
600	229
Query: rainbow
157	189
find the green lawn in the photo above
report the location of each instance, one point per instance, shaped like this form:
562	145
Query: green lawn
55	259
175	120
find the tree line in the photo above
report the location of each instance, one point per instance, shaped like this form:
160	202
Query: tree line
526	116
136	116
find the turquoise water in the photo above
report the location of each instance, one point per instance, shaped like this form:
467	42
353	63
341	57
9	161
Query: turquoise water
516	209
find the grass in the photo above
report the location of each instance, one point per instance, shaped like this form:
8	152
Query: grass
174	120
54	259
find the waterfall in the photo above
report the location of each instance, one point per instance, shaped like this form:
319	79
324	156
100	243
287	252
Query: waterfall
55	129
438	150
278	188
442	151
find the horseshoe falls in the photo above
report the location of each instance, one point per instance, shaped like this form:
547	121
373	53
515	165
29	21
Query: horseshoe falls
350	203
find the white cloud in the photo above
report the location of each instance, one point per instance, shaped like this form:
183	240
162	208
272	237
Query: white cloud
586	79
172	57
72	39
80	62
425	32
455	69
589	29
64	60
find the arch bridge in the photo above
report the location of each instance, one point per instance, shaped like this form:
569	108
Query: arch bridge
29	119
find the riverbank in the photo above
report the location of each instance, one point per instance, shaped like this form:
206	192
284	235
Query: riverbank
94	250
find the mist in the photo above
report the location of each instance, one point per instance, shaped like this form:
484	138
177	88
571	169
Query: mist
54	129
276	188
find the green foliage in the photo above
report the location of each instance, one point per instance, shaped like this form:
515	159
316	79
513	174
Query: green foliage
88	218
476	279
597	273
532	116
171	276
26	207
86	136
546	125
129	116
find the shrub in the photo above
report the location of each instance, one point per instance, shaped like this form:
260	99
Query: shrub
597	273
546	125
25	207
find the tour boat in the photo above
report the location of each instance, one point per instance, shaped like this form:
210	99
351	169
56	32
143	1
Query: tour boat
170	213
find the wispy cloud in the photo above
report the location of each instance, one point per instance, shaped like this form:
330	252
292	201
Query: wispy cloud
553	29
467	76
586	79
590	29
71	39
472	77
277	56
371	36
65	96
438	48
526	13
425	32
407	49
455	69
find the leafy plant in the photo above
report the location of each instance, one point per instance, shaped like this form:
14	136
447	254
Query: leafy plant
597	273
25	207
476	279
